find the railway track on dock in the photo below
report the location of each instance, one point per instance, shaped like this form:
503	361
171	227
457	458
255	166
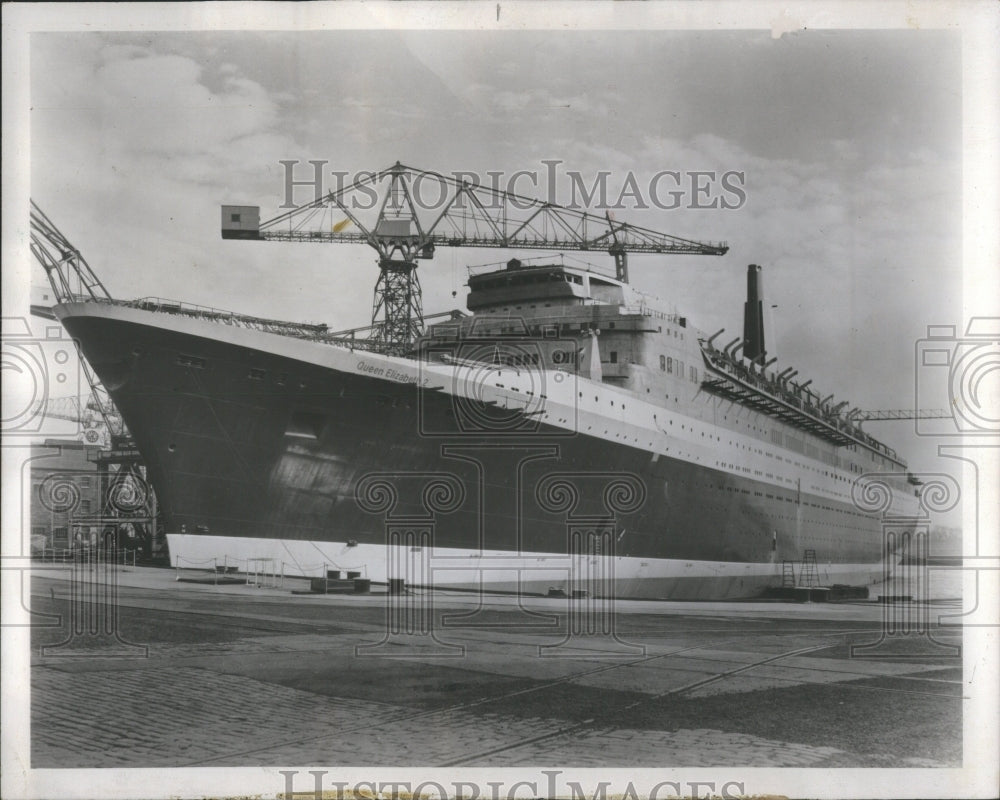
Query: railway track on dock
591	723
273	616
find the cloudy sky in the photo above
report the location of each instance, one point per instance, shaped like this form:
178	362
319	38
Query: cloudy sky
850	142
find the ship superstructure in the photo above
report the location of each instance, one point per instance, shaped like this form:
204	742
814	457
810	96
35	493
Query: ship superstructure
620	338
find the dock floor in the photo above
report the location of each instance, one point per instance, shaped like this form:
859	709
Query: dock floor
194	674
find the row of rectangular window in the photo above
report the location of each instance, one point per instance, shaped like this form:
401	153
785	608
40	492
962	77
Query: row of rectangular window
521	280
667	365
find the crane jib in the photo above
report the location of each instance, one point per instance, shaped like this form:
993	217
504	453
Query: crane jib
380	210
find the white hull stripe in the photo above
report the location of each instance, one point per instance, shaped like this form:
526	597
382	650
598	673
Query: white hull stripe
624	576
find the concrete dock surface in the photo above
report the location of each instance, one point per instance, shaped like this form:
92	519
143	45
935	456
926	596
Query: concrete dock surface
132	668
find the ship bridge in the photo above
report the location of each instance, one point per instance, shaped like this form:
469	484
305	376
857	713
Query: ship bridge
552	284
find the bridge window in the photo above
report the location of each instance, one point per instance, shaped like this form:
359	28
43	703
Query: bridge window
670	365
663	363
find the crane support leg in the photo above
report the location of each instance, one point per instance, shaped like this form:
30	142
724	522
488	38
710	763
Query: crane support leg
397	312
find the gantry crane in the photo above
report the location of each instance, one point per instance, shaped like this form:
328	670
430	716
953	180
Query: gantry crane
463	214
128	496
85	413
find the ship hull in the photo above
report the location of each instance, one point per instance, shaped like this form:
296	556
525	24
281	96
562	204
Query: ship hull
315	457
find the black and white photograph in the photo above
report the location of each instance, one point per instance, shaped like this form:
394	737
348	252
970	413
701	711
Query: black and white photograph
501	401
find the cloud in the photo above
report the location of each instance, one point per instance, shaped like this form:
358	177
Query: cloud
134	153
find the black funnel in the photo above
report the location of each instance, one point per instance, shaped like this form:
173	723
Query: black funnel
753	317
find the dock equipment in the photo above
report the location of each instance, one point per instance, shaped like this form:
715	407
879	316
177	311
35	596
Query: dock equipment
809	575
463	214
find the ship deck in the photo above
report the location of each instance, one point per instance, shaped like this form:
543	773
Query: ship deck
204	675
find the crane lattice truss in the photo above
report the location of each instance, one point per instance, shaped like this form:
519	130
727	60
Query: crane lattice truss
418	211
71	279
68	272
129	497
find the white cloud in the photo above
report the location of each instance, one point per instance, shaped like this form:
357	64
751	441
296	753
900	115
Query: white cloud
133	156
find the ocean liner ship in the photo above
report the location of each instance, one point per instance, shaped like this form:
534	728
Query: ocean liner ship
567	429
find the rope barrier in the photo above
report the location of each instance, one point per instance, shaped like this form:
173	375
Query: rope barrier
264	572
178	559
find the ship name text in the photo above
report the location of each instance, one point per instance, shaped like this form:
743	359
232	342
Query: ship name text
388	374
